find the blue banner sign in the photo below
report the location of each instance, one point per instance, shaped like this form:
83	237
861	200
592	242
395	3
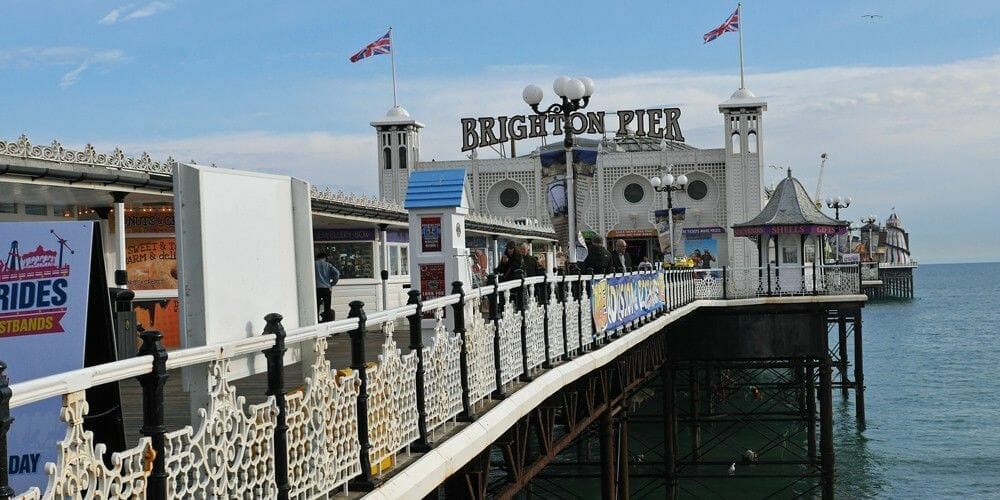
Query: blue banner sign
618	300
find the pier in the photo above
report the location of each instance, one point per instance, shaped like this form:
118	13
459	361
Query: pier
509	389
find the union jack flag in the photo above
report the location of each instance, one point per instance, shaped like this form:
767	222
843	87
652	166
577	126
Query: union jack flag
381	46
731	24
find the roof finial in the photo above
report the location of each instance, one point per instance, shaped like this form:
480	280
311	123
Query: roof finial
789	172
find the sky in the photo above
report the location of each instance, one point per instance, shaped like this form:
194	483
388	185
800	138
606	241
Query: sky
902	96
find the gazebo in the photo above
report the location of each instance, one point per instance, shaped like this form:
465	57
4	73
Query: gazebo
797	229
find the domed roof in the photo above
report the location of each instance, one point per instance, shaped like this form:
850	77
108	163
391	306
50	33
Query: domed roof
742	94
790	205
397	112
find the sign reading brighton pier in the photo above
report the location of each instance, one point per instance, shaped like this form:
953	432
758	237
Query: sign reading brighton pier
659	123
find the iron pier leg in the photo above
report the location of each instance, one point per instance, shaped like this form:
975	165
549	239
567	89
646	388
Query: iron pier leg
826	425
859	370
695	425
811	409
842	344
669	480
606	435
623	457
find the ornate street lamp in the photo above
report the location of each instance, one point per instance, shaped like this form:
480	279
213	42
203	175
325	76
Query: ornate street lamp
669	184
870	222
836	204
575	95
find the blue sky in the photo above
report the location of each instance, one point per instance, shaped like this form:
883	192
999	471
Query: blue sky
905	104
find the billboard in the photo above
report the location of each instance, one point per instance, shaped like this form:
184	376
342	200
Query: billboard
44	294
616	301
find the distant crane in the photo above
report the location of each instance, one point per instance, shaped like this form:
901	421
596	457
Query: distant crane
819	183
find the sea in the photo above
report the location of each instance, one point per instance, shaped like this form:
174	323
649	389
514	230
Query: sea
932	392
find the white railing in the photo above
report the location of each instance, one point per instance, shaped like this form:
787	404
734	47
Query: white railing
404	398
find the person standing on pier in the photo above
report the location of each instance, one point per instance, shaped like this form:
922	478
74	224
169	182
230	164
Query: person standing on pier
327	275
621	261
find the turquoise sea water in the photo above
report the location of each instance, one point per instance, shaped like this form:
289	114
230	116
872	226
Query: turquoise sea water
933	395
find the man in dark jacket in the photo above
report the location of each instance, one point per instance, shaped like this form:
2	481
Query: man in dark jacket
621	261
598	258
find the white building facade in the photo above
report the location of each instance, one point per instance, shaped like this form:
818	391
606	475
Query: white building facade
725	185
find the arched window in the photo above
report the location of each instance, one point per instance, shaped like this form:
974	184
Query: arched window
752	142
402	157
387	158
735	142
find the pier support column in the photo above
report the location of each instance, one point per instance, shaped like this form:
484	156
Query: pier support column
826	426
669	431
623	456
859	371
842	352
811	409
606	435
695	424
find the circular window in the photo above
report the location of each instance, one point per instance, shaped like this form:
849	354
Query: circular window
634	193
509	198
697	190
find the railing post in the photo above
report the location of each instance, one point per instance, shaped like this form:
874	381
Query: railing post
725	281
495	318
463	353
152	411
545	321
859	278
577	293
522	296
417	345
768	279
6	492
815	289
364	481
276	387
125	324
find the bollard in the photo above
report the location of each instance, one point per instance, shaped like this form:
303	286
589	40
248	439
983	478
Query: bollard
463	353
421	445
276	387
364	481
152	411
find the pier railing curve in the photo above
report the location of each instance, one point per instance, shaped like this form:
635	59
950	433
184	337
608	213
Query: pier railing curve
346	427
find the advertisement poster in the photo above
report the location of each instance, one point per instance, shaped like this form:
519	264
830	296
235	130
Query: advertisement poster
152	221
554	180
44	285
618	300
702	249
432	283
663	226
162	315
430	234
151	263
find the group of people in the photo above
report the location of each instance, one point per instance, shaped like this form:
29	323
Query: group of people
601	261
702	260
517	257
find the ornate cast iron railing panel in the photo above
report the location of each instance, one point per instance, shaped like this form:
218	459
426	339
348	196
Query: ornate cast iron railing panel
442	375
322	430
480	338
392	403
555	311
534	320
510	343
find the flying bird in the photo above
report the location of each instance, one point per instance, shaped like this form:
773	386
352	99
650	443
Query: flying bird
872	16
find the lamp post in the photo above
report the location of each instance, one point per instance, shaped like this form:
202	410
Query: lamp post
836	204
669	184
575	95
870	222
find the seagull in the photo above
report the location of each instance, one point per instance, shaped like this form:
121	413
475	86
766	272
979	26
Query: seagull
872	16
732	469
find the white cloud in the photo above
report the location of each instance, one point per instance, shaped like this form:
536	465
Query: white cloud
79	59
101	58
129	12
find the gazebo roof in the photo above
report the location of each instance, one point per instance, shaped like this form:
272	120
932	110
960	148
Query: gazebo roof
790	211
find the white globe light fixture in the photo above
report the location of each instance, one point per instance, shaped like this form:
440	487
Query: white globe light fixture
682	180
532	95
588	86
574	89
655	181
559	86
668	179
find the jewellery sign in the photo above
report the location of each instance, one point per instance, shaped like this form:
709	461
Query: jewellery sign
618	300
44	285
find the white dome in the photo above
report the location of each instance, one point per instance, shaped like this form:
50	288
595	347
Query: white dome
397	112
743	94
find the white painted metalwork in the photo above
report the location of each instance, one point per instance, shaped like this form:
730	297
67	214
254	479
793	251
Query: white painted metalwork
556	347
708	285
22	148
479	337
746	282
442	375
323	448
534	316
572	308
230	456
586	318
392	400
510	343
79	471
840	279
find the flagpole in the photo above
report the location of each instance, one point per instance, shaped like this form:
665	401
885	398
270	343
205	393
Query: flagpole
739	16
392	56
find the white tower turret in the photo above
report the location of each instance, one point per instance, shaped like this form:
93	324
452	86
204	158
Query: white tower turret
744	141
398	152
